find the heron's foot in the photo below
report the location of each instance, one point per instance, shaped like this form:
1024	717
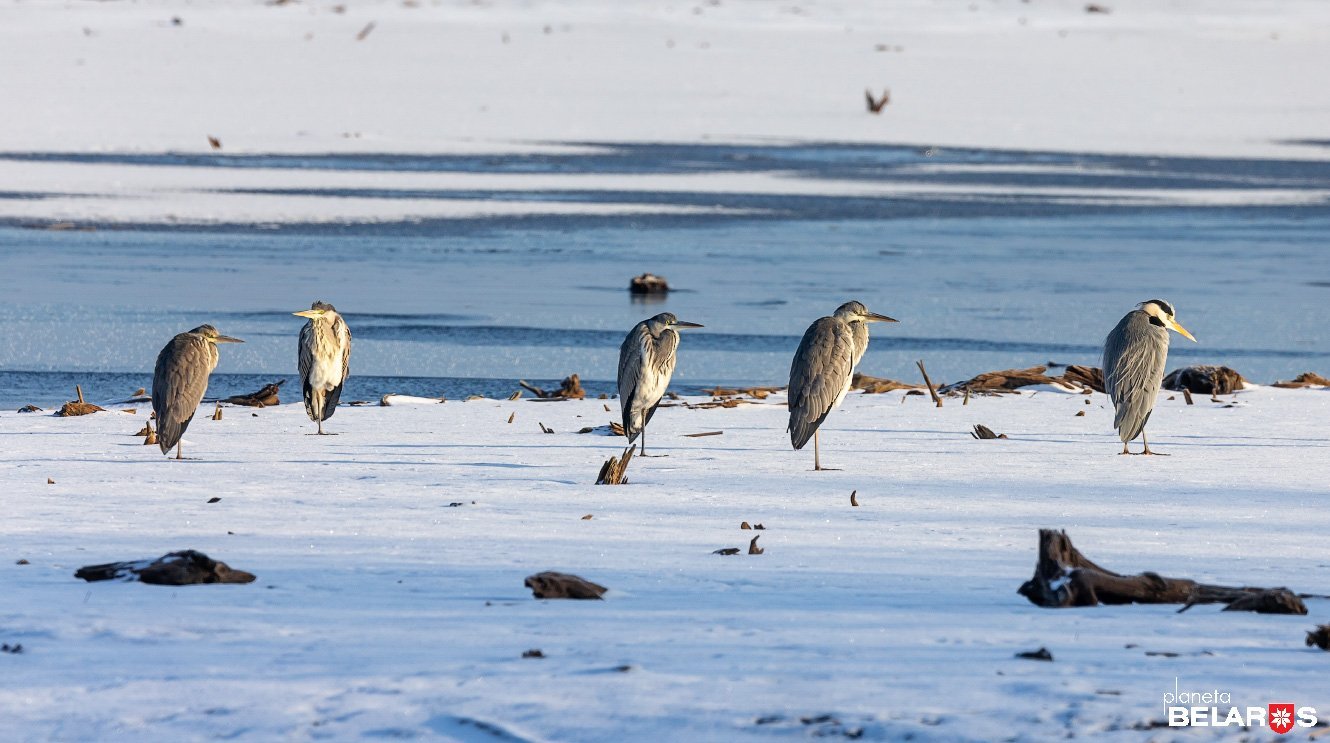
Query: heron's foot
653	456
826	469
1148	453
321	433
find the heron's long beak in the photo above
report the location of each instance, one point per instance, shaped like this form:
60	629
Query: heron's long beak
311	314
1173	324
225	339
686	324
874	317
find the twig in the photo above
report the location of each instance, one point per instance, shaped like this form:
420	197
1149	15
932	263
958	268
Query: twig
931	389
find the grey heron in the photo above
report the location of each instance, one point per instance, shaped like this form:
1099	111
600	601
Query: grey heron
646	363
1134	356
823	367
180	379
325	356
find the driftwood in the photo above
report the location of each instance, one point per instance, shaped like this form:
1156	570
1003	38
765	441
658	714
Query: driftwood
1319	637
615	469
184	568
78	407
1063	577
261	399
983	432
1307	379
649	283
569	389
1002	381
878	385
1205	379
29	409
550	585
1084	376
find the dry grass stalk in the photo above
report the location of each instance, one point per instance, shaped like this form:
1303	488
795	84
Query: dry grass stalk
878	385
1186	395
511	416
1003	381
931	390
217	413
854	498
875	105
544	428
365	32
260	399
757	392
1306	379
616	428
569	389
700	435
615	469
517	395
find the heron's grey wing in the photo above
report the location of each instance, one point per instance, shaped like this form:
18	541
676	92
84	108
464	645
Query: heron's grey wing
343	335
1135	353
631	366
178	382
818	374
664	359
308	337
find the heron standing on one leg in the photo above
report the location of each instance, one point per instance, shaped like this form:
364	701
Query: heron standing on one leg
1134	356
646	363
325	357
180	379
823	367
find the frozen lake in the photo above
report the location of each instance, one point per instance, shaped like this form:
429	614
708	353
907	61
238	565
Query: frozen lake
990	259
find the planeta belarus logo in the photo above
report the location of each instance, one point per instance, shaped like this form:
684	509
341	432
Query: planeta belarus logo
1281	717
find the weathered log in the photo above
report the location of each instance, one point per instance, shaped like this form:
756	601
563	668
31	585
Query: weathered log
932	391
1319	637
187	567
1306	379
878	385
29	409
1084	376
261	399
1063	577
985	433
551	585
1205	379
615	469
759	393
648	283
78	407
1002	381
569	389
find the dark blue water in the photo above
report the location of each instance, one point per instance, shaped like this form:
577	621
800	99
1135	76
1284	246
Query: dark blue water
983	273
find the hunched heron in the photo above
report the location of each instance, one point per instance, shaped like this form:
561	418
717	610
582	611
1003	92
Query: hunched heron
646	363
325	358
823	367
179	380
1134	356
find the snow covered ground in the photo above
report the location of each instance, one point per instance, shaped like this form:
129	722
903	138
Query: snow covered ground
389	601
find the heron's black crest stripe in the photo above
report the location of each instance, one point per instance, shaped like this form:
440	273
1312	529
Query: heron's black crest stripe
1165	306
1156	321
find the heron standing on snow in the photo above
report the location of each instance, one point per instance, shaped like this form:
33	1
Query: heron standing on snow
180	379
1134	356
325	357
823	367
646	363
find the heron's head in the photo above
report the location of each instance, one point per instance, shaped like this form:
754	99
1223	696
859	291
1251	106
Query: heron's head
317	310
1161	314
857	312
211	335
668	320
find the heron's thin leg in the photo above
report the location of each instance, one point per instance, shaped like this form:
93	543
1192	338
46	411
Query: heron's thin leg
817	457
180	445
1147	447
1124	449
644	441
320	424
